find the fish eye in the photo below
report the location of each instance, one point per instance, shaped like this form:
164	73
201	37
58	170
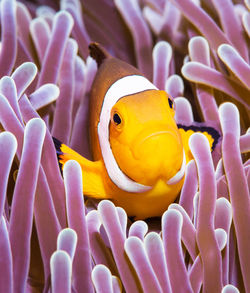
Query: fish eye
117	119
171	102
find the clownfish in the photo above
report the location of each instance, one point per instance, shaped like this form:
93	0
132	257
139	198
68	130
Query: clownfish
139	151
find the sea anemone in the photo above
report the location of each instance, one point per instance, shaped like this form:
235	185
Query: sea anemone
52	239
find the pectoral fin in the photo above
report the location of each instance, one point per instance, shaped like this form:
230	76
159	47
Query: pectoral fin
211	133
93	173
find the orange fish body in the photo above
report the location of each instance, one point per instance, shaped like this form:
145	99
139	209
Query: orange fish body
139	152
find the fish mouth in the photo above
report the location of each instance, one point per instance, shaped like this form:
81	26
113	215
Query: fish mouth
156	134
143	138
159	151
179	175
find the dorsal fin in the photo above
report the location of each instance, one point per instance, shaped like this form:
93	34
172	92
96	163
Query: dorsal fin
98	53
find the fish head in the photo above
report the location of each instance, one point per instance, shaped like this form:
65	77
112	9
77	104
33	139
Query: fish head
145	139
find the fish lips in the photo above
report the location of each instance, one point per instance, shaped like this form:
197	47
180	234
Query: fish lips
152	148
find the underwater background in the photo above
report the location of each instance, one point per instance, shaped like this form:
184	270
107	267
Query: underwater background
54	240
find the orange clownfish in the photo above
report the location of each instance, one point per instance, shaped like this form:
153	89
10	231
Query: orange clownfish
139	151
